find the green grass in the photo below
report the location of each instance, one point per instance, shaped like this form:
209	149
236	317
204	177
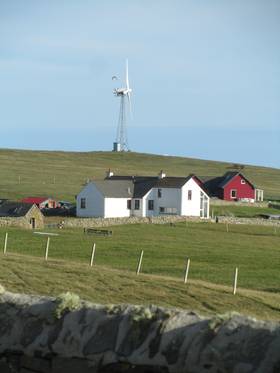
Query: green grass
214	253
242	211
62	174
104	285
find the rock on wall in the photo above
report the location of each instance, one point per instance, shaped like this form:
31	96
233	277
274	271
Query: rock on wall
66	335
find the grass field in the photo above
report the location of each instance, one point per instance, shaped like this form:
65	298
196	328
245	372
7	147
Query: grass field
62	174
242	211
214	253
106	286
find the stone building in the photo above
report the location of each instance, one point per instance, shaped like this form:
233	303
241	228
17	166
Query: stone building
20	214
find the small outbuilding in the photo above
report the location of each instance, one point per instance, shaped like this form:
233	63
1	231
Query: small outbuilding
21	214
232	186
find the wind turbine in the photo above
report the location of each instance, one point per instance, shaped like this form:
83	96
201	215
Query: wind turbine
121	143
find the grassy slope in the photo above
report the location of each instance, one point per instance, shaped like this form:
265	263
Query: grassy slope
214	253
104	285
37	170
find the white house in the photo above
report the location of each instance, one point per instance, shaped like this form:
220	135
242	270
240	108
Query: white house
143	196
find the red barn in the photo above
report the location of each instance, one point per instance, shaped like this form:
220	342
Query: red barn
41	202
232	186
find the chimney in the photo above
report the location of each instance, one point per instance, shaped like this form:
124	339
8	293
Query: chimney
161	175
109	173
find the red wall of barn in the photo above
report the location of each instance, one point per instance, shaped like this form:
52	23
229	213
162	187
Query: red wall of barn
243	190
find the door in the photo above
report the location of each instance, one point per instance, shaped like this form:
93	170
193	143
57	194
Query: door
33	223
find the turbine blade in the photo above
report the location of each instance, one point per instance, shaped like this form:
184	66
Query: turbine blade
126	75
129	103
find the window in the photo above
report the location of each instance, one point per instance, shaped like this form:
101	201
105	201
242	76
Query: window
129	204
171	210
136	204
243	181
168	210
150	204
189	195
233	193
204	205
83	203
159	193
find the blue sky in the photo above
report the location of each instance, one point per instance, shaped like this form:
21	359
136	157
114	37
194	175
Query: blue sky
205	76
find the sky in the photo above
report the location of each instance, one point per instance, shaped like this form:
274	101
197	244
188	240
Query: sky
205	76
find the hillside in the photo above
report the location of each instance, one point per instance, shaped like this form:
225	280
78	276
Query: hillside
27	274
61	174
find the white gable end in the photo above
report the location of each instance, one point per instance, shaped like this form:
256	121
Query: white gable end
90	202
194	201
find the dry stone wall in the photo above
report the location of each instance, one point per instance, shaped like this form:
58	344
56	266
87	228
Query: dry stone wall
66	335
101	222
14	222
247	221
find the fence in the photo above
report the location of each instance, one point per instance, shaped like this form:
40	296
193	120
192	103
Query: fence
185	278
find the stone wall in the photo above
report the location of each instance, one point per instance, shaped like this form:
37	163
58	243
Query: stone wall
14	222
67	335
100	222
248	221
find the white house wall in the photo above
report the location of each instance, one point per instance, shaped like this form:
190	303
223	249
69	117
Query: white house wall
191	207
116	208
170	198
94	202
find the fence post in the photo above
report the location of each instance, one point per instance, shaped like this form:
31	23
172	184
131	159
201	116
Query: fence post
139	263
92	255
5	243
47	248
235	281
227	226
187	271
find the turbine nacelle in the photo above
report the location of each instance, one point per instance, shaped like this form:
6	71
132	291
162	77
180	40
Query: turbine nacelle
122	91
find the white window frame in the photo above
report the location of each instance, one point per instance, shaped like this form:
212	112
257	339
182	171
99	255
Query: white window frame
243	181
233	190
137	204
83	203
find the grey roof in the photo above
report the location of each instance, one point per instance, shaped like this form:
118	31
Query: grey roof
136	186
14	209
172	182
115	188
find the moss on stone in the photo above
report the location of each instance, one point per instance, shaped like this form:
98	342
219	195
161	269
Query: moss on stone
114	309
216	322
66	302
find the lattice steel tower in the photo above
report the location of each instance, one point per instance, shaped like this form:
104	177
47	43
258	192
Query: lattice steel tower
121	142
